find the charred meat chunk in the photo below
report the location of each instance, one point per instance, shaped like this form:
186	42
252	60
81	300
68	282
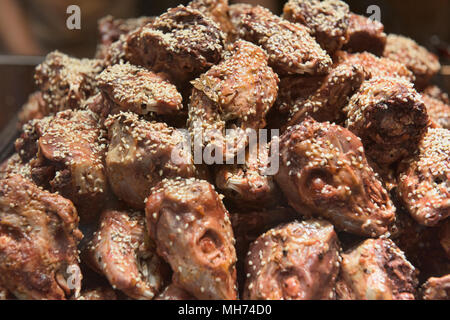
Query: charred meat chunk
250	184
323	99
66	81
365	34
70	158
418	59
296	261
324	172
141	153
376	270
290	47
136	89
38	242
99	293
15	166
327	19
110	30
217	10
424	184
235	94
390	118
376	67
182	42
192	231
121	250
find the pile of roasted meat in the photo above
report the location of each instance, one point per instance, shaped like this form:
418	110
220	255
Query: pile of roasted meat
102	199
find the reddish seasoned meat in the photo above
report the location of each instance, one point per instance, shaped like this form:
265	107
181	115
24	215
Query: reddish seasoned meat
390	118
192	231
327	19
131	88
122	252
38	241
34	108
297	261
250	184
14	165
235	94
324	172
376	67
174	292
376	270
418	59
100	293
66	81
290	47
437	289
323	99
70	158
110	29
424	184
436	93
365	34
141	154
217	10
438	111
248	226
184	43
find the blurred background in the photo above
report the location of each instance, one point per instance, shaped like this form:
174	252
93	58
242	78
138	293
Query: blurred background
29	29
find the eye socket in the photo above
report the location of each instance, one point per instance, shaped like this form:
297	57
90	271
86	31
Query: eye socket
439	179
210	241
318	179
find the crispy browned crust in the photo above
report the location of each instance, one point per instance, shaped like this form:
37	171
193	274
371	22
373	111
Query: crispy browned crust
110	30
192	231
424	182
141	153
249	225
14	165
436	288
183	41
376	270
131	88
235	94
38	241
174	292
217	10
69	160
289	46
327	19
321	98
297	261
121	251
376	67
438	111
390	118
324	172
66	81
250	185
418	59
365	34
